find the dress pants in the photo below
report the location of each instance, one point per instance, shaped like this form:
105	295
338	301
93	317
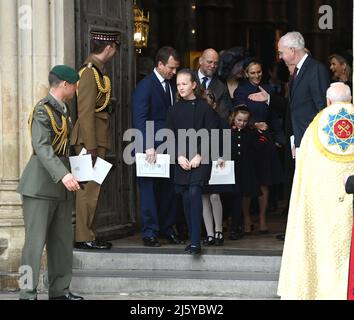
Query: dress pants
157	206
86	204
48	222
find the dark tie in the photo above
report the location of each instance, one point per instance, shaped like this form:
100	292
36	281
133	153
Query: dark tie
204	83
292	78
168	91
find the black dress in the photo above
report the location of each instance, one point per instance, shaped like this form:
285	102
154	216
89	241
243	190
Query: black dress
192	114
243	152
268	166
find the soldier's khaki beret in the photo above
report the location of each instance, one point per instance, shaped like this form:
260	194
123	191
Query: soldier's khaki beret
66	73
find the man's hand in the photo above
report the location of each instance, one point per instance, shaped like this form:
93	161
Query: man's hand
70	182
184	163
195	162
151	155
262	96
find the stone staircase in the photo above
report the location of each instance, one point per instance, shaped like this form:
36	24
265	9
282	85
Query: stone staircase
218	273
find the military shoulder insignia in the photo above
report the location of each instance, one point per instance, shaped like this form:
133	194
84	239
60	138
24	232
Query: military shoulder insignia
334	132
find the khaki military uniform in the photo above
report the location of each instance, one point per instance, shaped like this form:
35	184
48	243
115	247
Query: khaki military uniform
92	131
47	205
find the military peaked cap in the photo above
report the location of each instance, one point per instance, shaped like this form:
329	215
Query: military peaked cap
112	36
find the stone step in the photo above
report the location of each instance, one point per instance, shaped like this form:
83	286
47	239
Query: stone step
240	285
164	259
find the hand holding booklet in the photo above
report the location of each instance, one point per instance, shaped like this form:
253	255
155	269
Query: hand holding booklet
222	175
160	169
81	167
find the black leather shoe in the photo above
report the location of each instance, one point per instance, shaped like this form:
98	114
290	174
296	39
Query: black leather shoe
173	239
68	296
234	235
93	245
151	242
194	250
219	238
209	241
280	237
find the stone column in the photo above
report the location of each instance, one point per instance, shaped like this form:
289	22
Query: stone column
35	35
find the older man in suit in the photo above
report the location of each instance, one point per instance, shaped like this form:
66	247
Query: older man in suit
308	84
206	75
152	98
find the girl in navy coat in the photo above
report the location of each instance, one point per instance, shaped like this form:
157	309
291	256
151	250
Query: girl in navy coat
191	171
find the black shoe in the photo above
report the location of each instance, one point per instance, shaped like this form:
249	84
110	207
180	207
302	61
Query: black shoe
209	241
68	296
194	250
236	235
93	245
151	242
219	238
187	248
280	237
173	239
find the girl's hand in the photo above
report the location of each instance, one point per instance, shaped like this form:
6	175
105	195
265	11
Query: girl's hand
221	163
184	163
195	163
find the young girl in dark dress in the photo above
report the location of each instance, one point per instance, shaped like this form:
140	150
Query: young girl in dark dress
190	174
243	152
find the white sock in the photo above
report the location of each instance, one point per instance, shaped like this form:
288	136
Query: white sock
217	211
208	215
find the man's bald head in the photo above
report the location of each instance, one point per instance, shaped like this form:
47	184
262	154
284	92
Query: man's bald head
208	62
338	92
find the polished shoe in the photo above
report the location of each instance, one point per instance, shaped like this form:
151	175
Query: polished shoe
235	235
219	238
173	239
68	296
209	241
280	237
187	248
93	245
194	250
151	242
263	231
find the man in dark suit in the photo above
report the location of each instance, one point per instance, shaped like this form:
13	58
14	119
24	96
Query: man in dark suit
206	76
308	84
152	98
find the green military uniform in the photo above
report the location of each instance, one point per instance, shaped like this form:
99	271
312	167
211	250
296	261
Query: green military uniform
92	131
47	205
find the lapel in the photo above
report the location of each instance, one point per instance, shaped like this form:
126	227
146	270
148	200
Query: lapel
300	75
156	82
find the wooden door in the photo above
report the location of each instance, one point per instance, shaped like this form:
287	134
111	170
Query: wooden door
116	209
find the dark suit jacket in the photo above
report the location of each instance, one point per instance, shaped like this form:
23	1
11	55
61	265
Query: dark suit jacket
221	94
150	103
307	96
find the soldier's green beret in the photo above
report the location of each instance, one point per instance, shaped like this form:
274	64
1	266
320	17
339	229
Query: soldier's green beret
66	73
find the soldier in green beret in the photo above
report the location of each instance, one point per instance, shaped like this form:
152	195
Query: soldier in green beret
92	130
47	188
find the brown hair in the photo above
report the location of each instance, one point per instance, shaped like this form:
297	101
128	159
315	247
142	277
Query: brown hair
97	46
342	60
241	108
198	91
164	54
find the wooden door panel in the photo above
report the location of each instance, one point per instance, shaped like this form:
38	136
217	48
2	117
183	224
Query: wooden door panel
116	209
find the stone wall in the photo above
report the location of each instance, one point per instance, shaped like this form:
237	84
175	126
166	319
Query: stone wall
35	36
